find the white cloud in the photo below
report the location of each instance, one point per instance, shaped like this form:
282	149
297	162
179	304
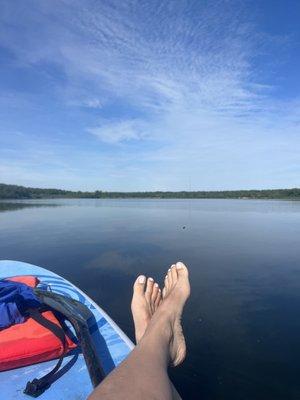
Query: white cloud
186	69
81	101
93	103
119	131
161	60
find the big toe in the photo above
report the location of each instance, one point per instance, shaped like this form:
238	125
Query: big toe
183	279
139	286
182	270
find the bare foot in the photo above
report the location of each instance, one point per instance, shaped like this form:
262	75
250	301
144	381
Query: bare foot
145	302
175	294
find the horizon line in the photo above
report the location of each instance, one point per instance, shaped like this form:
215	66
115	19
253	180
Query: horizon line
149	191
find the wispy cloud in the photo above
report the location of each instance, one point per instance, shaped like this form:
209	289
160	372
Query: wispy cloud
185	73
157	55
115	132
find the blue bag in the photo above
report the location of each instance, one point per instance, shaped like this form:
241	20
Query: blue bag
15	299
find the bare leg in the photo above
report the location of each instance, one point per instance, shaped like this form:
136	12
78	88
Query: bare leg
143	374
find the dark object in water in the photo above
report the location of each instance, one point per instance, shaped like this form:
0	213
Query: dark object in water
183	227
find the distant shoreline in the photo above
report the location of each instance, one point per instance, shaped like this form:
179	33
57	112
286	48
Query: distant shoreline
15	192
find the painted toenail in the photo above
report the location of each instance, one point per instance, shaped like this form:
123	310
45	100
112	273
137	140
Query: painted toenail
142	279
179	266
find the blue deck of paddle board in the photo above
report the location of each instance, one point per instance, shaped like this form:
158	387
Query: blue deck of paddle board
111	343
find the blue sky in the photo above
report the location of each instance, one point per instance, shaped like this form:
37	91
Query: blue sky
150	95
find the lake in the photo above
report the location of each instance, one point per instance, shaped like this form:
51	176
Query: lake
242	322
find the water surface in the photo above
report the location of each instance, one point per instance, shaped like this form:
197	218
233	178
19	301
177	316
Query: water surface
242	322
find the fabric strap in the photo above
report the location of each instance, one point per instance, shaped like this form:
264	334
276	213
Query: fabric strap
38	386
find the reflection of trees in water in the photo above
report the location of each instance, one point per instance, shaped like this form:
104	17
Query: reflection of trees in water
20	206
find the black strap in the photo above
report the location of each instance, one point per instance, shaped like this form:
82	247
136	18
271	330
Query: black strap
38	386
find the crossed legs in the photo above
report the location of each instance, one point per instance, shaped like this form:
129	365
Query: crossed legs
160	341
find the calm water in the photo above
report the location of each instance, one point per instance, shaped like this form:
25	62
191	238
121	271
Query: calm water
242	322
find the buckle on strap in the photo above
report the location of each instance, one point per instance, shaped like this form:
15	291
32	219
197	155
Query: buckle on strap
35	388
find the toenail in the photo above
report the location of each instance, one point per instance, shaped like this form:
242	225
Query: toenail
150	279
179	266
156	284
142	279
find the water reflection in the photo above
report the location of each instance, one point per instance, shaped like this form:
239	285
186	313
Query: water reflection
19	205
241	322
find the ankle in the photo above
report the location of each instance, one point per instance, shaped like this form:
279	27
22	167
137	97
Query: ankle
161	324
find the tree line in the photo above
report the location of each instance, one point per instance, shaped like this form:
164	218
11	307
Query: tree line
21	192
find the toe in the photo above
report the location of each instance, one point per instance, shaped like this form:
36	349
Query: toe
174	274
149	289
153	297
170	277
139	285
182	269
167	283
157	300
154	293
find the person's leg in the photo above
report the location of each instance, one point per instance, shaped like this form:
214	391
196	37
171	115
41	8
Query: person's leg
143	374
145	301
